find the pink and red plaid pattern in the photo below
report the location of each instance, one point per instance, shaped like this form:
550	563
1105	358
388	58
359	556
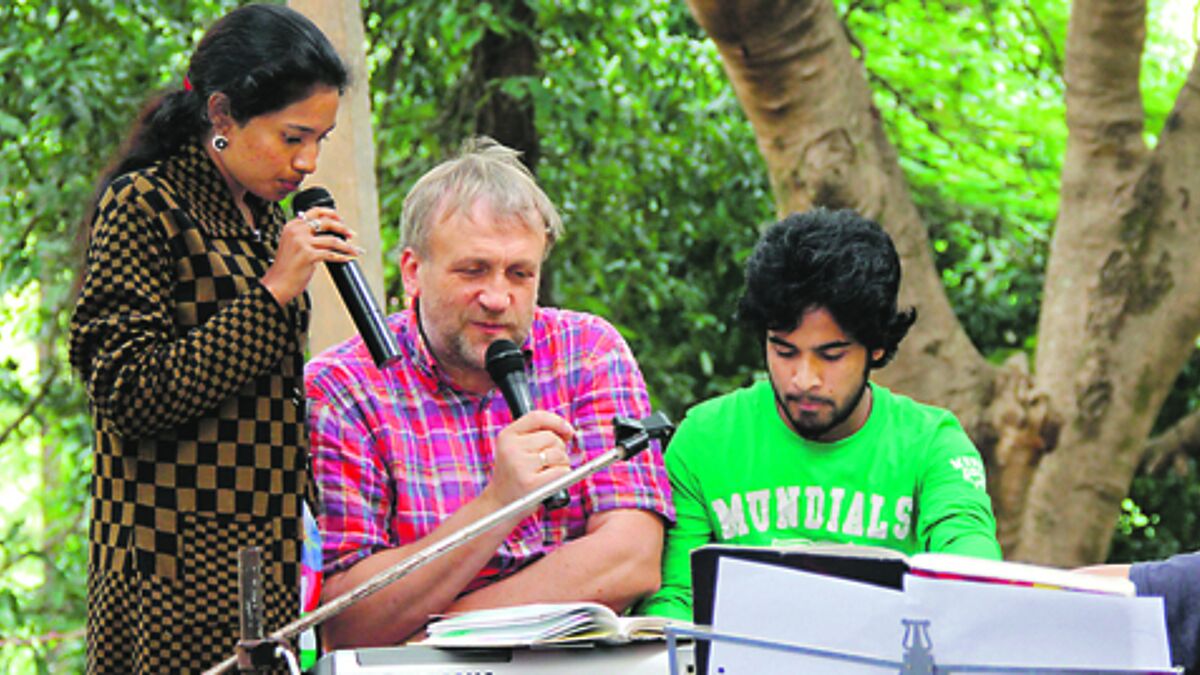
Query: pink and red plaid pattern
397	452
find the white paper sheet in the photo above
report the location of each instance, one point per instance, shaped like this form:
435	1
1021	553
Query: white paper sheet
806	609
975	624
990	624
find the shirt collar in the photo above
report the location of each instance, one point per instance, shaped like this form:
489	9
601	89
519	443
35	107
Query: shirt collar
412	340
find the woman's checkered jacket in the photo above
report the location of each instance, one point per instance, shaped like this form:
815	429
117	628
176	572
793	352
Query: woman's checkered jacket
195	377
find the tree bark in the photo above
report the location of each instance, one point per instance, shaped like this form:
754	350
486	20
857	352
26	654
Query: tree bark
1119	317
1173	446
1114	280
499	56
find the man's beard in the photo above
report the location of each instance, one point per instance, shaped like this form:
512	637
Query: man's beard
463	354
814	430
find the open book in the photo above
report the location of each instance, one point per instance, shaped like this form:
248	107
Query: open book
542	624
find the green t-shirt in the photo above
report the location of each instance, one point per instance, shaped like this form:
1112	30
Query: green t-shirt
910	480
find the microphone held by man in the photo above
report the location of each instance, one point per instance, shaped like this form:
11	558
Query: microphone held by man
506	366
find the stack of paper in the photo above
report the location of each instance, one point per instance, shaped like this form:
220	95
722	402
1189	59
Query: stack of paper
961	568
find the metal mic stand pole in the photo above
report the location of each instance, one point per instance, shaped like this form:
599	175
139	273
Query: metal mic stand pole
633	436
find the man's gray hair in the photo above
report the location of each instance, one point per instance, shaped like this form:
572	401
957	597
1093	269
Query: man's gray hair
483	169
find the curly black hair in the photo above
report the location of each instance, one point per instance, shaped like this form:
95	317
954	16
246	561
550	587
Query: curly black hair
837	260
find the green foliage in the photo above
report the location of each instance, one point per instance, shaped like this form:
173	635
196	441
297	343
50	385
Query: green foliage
1160	518
658	176
417	58
652	165
972	95
644	149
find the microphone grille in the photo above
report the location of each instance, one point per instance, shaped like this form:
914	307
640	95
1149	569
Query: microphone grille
310	197
503	357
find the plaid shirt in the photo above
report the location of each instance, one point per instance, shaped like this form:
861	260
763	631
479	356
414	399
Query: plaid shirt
397	452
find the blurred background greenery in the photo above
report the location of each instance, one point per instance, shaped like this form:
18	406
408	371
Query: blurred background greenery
640	142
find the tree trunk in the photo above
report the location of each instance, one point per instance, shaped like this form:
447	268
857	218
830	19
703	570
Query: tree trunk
1120	313
1110	279
499	56
347	169
496	57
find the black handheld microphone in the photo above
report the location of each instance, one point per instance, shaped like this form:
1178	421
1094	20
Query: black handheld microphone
506	366
351	285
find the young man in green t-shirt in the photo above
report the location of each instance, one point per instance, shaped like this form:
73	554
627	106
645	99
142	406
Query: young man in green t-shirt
817	452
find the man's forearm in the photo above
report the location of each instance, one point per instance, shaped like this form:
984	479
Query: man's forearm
396	612
615	563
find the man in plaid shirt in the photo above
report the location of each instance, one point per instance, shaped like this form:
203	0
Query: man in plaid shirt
408	455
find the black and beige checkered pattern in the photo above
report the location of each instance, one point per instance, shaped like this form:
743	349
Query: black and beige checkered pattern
156	624
195	376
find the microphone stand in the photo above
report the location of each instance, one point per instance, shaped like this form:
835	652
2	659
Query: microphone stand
633	436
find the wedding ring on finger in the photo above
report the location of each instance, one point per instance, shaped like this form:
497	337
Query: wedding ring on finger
542	458
313	224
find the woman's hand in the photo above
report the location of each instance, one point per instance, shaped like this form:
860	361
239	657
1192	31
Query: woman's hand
314	236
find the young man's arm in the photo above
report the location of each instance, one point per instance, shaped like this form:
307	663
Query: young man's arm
692	530
954	509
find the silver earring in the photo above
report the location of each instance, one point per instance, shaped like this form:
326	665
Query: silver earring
219	142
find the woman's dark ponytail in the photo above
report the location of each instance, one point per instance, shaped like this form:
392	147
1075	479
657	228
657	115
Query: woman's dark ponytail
262	57
164	125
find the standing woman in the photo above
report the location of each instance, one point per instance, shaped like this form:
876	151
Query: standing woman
189	332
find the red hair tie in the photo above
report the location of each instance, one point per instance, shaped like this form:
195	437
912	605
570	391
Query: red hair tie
187	84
